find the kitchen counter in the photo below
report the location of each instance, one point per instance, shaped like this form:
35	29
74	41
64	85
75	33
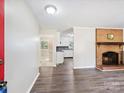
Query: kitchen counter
59	57
66	51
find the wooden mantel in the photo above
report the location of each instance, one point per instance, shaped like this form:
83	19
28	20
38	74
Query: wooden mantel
110	43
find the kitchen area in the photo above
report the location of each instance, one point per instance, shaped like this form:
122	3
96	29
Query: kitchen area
64	48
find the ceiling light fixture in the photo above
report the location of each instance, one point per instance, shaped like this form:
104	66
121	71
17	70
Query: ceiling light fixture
51	9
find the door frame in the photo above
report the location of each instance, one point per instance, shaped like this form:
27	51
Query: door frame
2	39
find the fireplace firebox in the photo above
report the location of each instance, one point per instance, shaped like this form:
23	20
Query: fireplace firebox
110	58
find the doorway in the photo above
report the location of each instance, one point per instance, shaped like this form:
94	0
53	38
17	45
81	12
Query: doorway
65	50
47	50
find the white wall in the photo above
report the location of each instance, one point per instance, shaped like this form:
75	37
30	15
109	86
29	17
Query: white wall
123	45
123	34
84	47
21	46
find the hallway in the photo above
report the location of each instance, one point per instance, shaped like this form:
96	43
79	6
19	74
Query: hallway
51	79
64	80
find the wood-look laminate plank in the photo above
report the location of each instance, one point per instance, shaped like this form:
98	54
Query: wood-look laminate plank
63	79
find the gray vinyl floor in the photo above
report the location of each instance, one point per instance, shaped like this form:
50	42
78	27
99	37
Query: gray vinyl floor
63	79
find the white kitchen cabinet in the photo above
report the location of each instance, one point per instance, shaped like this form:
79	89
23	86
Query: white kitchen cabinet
68	53
59	57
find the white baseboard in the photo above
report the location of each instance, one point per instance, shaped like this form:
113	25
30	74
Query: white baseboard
31	86
49	65
84	67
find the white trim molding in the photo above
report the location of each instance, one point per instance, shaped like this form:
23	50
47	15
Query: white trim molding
84	67
31	86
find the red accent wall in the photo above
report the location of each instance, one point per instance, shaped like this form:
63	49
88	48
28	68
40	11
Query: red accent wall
2	38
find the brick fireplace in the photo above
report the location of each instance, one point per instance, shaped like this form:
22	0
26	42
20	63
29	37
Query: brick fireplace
109	47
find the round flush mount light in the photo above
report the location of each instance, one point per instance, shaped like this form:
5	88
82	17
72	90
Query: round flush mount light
51	9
